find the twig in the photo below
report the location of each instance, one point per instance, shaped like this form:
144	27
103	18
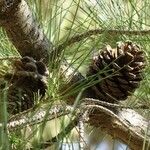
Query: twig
9	58
111	105
38	116
90	33
81	126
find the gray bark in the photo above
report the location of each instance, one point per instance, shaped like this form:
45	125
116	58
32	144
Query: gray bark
23	31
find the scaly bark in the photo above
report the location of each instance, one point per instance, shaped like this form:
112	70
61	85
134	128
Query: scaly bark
127	125
22	29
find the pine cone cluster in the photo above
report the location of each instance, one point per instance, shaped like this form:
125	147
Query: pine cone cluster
117	71
28	77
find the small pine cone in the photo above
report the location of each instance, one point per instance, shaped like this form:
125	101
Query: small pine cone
117	72
29	74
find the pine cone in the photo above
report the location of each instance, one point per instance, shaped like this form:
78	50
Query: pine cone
117	72
28	77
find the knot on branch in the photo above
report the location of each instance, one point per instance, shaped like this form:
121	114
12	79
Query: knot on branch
28	77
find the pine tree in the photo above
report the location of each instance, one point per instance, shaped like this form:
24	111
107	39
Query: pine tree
73	32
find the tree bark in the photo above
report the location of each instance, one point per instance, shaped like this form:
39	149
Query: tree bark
127	125
28	38
23	31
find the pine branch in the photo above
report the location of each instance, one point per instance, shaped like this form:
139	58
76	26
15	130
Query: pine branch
111	105
127	125
89	33
36	116
23	31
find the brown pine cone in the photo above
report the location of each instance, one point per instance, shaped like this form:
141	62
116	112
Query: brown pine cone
29	74
116	71
28	77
